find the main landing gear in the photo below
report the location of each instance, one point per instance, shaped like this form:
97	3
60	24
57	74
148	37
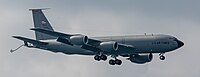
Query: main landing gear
114	61
101	57
162	57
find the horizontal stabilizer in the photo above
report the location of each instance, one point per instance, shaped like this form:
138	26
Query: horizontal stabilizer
30	40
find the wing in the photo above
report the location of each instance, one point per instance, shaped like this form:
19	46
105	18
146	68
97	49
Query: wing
92	44
62	36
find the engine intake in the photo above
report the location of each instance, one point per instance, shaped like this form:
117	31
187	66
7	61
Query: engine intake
79	40
109	46
141	59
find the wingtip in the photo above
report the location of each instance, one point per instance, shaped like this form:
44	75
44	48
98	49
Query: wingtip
32	29
15	36
35	29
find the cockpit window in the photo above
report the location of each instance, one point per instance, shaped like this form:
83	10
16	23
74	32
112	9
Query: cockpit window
173	38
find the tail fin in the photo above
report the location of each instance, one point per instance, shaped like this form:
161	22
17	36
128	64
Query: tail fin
41	22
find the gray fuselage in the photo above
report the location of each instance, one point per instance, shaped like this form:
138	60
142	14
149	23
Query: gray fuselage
141	44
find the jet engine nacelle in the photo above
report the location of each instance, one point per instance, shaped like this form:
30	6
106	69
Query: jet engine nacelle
141	59
109	46
79	40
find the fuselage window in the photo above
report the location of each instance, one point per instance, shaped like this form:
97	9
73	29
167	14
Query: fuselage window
160	42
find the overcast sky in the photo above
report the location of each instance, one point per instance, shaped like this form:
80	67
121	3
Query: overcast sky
179	18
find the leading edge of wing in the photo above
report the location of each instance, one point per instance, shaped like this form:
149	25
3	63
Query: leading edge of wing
92	42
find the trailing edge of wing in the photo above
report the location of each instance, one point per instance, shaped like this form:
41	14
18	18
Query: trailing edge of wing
30	40
91	48
125	47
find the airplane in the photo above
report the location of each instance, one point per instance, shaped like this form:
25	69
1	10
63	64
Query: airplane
138	49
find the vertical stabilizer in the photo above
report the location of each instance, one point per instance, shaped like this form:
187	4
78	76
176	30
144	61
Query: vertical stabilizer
40	21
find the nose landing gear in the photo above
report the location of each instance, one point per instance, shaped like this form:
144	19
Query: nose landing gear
162	57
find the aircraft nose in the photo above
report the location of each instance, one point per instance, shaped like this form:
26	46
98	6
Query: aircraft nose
180	43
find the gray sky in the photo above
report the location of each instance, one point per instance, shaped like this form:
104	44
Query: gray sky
179	18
